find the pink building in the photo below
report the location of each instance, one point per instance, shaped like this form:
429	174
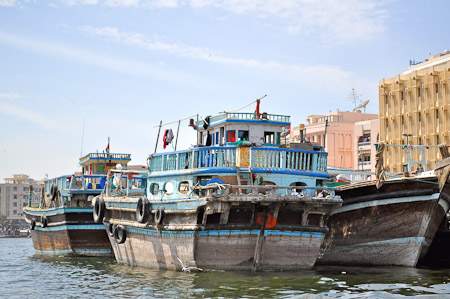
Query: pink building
344	136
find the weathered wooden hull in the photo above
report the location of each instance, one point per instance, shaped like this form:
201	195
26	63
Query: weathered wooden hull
70	231
394	225
218	249
219	235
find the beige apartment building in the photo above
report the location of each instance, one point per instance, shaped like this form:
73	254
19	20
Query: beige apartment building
15	193
415	109
348	137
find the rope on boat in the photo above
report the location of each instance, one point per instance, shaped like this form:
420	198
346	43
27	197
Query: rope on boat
246	105
380	173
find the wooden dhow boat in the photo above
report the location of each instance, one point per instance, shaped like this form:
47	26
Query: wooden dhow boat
62	223
392	221
236	201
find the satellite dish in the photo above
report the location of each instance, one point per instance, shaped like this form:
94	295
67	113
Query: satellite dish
363	105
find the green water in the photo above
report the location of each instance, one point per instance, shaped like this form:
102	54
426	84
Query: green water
24	275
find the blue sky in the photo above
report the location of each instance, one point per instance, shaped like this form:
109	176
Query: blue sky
121	66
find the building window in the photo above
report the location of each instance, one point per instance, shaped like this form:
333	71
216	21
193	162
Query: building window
15	189
437	139
418	92
15	196
437	88
15	204
231	136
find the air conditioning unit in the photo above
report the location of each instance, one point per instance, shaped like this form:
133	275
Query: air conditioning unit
390	93
392	118
424	111
407	114
442	82
444	134
443	108
424	86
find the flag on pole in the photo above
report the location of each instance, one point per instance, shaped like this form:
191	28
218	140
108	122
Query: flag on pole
107	147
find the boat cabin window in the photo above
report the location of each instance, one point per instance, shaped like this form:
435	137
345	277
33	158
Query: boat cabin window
217	138
242	135
222	135
154	188
183	188
168	188
269	137
231	136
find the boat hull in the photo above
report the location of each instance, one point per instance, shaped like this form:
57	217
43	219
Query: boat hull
70	231
218	249
384	227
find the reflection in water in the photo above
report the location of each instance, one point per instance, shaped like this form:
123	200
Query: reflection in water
25	275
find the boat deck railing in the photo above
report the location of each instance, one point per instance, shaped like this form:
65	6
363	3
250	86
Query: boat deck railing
225	192
245	116
254	157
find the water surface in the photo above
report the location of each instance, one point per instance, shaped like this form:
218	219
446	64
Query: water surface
25	275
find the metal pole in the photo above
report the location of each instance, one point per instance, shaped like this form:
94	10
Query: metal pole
325	137
157	138
178	130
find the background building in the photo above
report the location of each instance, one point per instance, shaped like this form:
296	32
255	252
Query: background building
14	195
345	137
414	109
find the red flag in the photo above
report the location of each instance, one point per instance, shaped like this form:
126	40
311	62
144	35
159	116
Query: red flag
107	147
257	109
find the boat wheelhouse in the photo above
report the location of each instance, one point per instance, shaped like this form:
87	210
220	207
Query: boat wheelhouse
62	223
236	201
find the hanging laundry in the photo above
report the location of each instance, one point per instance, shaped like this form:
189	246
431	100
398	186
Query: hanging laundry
258	115
168	137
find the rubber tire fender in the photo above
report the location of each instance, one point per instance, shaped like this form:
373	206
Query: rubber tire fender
120	234
142	209
110	229
98	212
53	192
159	215
44	221
33	223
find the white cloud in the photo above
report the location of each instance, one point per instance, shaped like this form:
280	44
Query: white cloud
337	20
35	117
9	3
124	65
10	96
152	44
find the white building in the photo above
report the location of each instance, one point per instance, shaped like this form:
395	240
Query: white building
15	193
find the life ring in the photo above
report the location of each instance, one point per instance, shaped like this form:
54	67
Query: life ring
44	220
120	234
159	215
142	209
53	192
270	222
33	223
99	210
110	229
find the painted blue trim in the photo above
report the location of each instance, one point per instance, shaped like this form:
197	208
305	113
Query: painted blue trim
218	170
195	150
289	150
155	233
57	211
384	202
54	252
71	227
293	233
250	121
213	233
93	251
